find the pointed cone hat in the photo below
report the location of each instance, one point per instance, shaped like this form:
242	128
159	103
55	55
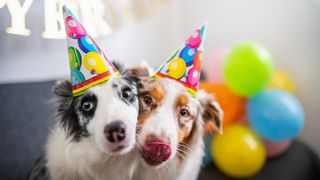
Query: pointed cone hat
184	65
88	64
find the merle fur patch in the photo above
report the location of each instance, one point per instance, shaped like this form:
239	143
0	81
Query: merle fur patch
66	111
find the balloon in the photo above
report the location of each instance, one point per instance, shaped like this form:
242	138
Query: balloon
197	61
93	62
73	28
207	159
195	40
177	68
239	152
87	45
275	115
244	120
248	68
187	54
213	70
282	81
233	106
76	77
74	58
193	77
274	148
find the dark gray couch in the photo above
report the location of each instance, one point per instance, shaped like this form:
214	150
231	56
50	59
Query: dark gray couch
27	114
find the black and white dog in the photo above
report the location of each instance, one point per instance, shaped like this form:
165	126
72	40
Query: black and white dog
94	133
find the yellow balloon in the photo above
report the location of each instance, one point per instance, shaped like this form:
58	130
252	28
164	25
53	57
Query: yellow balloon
281	80
94	63
238	152
177	68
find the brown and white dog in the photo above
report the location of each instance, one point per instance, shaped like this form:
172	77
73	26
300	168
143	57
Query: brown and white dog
170	129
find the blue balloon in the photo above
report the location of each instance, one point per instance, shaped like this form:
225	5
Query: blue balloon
275	115
187	54
207	159
76	77
87	45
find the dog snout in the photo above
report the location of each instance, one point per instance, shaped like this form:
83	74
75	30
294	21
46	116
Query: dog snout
155	138
115	132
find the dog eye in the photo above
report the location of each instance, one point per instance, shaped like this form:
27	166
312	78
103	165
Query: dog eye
184	112
88	106
148	100
127	93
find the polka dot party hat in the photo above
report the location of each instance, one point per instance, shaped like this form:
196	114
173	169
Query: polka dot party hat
184	65
89	65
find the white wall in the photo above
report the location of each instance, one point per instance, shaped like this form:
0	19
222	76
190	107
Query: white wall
289	28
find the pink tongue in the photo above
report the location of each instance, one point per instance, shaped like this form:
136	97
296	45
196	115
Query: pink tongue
156	152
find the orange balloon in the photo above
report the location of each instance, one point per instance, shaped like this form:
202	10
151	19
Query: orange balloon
233	106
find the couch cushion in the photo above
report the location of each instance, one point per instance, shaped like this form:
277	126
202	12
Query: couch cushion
26	118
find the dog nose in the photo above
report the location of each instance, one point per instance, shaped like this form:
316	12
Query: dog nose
115	132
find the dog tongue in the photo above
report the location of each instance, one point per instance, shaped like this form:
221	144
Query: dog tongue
155	153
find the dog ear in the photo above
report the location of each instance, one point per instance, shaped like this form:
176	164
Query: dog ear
141	70
211	112
66	114
118	65
63	88
138	71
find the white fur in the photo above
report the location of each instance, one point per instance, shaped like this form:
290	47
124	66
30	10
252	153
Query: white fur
191	167
111	108
83	160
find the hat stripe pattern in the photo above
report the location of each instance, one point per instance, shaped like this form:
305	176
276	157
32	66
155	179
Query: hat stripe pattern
189	88
89	65
184	65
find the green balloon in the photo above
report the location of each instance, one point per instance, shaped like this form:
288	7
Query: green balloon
248	68
74	58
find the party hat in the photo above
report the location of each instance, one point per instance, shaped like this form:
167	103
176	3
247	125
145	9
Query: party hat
89	65
184	65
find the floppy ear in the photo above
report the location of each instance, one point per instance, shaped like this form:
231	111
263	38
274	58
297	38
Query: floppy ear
65	103
63	88
118	65
211	112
